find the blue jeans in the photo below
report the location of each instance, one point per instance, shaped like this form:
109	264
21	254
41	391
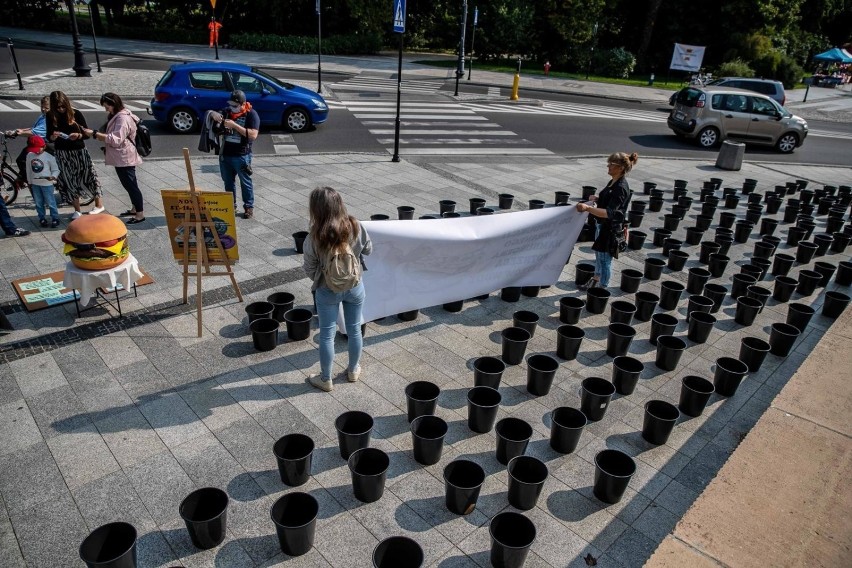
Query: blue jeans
43	195
328	306
603	262
6	220
235	166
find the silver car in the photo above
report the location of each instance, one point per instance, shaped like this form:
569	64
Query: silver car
712	114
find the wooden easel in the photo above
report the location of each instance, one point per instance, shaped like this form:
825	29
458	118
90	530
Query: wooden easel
202	260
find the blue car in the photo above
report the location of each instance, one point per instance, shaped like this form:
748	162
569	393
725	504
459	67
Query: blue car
188	90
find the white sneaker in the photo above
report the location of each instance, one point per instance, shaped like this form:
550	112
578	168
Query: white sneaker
316	381
76	215
96	210
353	376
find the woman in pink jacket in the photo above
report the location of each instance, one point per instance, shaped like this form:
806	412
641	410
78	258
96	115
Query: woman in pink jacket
120	136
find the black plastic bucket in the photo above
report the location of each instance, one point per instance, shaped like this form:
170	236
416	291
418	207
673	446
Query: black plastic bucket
729	374
410	315
454	307
541	369
526	480
661	324
488	371
636	239
570	309
514	344
618	339
844	273
669	351
512	535
827	270
763	265
763	249
510	294
808	282
841	241
670	294
398	552
635	219
703	221
613	470
583	273
694	235
747	310
112	545
646	303
295	519
537	204
717	293
700	326
660	234
760	294
671	222
421	398
697	279
717	265
671	244
427	434
379	217
505	200
795	236
660	419
784	288
694	394
625	374
264	334
768	226
568	340
530	291
595	395
298	323
753	352
405	212
596	300
708	248
805	252
294	454
560	197
630	280
463	481
677	260
834	305
740	284
299	241
513	437
353	431
525	320
482	406
782	337
476	203
799	315
205	512
621	311
369	468
653	268
724	244
282	302
822	243
259	310
566	426
447	206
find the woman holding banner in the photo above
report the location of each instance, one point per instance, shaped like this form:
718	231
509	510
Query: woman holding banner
609	209
333	260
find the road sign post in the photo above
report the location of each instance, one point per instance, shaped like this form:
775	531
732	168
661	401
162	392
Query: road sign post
94	39
460	70
15	64
472	39
319	48
399	28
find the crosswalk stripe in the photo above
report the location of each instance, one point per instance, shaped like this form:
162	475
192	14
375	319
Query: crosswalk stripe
474	151
469	116
451	141
432	123
5	108
827	134
28	105
435	132
392	104
87	104
134	108
382	84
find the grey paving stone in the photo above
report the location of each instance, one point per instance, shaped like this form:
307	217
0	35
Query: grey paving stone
58	411
346	542
30	476
632	548
283	418
82	456
229	553
311	559
588	518
49	533
141	380
130	438
250	444
37	374
10	552
553	543
101	395
79	361
477	549
161	484
174	422
117	350
250	523
112	498
206	461
656	523
213	404
9	391
17	427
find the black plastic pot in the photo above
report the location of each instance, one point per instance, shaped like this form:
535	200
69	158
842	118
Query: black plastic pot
655	204
717	265
630	280
506	200
454	307
760	294
677	260
353	431
488	371
613	470
541	369
476	203
482	406
742	231
405	212
680	183
716	293
447	206
826	269
583	273
625	374
264	334
795	236
566	426
670	294
514	344
588	191
835	304
526	320
790	213
671	244
782	264
753	352
844	273
298	322
703	221
112	545
660	236
595	395
671	222
421	398
669	351
768	226
784	288
561	197
694	394
294	454
747	310
729	374
773	205
299	241
661	324
763	264
618	339
398	552
808	282
708	248
259	310
693	235
700	326
726	219
782	336
530	291
621	311
646	303
379	217
635	219
596	300
724	244
763	250
510	294
512	535
369	469
740	284
648	186
654	268
205	512
636	239
485	211
696	280
570	309
799	316
513	437
638	206
805	252
526	480
281	302
427	434
660	419
463	481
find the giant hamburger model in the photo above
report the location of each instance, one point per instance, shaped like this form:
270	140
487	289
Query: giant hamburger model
96	242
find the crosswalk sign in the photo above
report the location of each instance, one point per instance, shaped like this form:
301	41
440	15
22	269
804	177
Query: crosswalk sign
399	16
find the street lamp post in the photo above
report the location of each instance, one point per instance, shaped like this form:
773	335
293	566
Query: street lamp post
319	48
94	39
592	50
80	67
460	69
472	39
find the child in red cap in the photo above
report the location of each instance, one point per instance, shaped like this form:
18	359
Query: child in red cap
42	173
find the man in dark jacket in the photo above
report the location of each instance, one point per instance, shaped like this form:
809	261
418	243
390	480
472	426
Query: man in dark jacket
239	125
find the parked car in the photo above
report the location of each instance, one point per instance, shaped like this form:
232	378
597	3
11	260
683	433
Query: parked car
187	90
769	87
712	114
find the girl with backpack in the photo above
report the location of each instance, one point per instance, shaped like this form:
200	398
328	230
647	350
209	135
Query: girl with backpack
119	135
333	250
609	210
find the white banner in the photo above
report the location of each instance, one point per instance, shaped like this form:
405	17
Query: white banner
423	263
687	57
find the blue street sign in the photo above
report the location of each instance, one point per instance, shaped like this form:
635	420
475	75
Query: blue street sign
399	16
475	16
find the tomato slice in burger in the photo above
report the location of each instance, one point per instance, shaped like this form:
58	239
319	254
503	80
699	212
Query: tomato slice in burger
107	244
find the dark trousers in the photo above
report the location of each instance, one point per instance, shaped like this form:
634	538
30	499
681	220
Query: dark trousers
127	177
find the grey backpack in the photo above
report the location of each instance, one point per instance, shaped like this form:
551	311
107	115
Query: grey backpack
341	269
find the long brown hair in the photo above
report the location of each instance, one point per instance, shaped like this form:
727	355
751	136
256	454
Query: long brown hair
57	99
331	226
114	101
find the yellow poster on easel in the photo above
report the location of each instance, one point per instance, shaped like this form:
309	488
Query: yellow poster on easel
219	207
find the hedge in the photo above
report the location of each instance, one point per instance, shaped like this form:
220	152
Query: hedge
355	44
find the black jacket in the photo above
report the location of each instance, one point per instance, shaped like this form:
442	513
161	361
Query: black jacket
615	198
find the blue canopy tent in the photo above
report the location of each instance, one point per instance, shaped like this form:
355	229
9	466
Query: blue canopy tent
834	55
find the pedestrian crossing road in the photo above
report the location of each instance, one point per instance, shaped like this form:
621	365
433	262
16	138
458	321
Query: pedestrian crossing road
380	84
26	105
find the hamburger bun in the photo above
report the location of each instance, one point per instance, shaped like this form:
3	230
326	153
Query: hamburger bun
96	242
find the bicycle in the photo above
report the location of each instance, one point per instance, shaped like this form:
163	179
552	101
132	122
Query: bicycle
10	179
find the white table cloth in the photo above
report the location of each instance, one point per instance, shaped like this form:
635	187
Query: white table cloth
87	282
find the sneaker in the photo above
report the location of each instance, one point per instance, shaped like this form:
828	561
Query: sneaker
316	381
19	233
76	215
54	223
96	210
42	222
249	213
353	376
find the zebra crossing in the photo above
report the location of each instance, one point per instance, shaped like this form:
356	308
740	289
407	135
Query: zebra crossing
25	105
53	74
381	84
556	108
